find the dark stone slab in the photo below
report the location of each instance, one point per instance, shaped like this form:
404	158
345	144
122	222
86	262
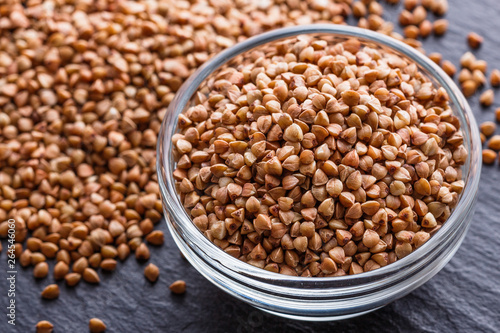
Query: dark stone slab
463	297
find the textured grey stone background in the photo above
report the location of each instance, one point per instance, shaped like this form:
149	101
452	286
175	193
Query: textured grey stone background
463	297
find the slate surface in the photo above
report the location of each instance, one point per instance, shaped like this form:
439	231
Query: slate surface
463	297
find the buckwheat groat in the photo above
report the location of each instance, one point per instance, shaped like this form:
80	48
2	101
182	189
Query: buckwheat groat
317	158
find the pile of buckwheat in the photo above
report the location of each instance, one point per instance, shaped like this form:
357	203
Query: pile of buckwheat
314	157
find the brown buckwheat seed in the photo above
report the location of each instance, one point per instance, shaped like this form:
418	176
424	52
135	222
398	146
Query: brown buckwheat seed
151	272
51	291
96	325
178	287
44	326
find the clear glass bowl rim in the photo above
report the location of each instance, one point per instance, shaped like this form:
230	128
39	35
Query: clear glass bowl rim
184	225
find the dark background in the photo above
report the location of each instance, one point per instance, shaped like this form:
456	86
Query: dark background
463	297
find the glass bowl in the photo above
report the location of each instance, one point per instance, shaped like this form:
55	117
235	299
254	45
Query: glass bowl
318	298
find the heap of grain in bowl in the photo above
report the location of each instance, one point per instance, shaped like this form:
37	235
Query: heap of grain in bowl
319	157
